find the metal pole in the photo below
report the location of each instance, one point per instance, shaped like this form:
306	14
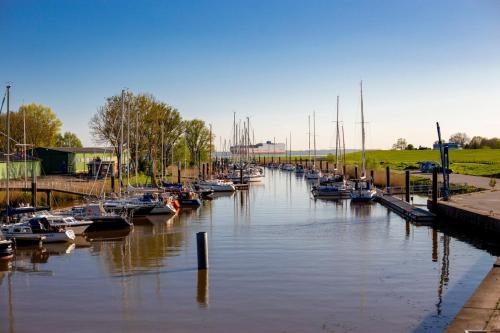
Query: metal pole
388	179
33	186
202	250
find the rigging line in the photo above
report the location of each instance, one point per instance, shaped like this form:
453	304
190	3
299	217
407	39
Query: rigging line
3	101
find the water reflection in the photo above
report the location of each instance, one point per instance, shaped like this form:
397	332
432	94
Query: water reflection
202	294
145	248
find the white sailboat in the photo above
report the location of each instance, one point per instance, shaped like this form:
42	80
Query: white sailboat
363	188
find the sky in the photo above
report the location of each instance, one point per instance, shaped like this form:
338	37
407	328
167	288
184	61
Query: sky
275	62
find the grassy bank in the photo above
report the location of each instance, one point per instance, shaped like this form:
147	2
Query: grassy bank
477	162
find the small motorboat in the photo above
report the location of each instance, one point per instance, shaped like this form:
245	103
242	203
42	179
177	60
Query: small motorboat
216	185
38	229
312	174
101	219
78	226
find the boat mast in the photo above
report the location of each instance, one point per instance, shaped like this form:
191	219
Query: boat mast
337	138
363	156
162	152
309	134
8	154
136	146
120	176
128	144
314	138
290	147
343	143
234	135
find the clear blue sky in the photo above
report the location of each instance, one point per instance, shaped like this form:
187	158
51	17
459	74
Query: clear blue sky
275	61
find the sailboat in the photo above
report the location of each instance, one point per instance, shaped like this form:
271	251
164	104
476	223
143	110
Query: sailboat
333	186
363	187
312	173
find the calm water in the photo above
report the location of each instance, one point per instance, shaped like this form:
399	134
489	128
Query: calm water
280	262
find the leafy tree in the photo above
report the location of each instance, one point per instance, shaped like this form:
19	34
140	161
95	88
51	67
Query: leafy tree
197	139
68	139
460	138
400	144
42	126
410	147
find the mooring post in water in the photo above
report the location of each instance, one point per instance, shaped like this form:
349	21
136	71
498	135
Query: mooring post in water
33	186
272	159
279	159
345	169
203	172
202	249
49	199
372	176
388	177
241	175
264	160
434	188
355	172
112	180
320	165
178	172
407	185
326	166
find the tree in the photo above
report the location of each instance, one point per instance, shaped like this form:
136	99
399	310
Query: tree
410	147
197	139
68	139
400	144
460	138
42	126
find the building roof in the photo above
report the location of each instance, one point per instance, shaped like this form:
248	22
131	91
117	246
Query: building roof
81	150
16	157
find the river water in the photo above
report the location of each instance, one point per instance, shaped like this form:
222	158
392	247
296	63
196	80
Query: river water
279	262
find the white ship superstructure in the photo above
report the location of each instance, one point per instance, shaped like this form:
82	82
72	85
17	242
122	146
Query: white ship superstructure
268	147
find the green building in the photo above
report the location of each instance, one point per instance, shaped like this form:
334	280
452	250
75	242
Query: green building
17	167
72	160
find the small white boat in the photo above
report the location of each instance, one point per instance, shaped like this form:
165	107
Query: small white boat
217	185
78	226
38	229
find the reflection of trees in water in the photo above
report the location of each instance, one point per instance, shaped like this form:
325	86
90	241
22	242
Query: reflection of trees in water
144	248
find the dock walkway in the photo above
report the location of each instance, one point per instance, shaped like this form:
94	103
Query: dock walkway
481	313
479	209
405	209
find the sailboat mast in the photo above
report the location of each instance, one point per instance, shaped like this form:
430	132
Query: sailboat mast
337	138
290	147
128	144
314	136
8	154
136	146
363	156
343	144
121	144
309	133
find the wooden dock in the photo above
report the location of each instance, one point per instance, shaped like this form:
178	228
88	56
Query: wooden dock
405	209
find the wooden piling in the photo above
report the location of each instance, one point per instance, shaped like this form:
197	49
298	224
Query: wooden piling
178	172
33	187
388	179
355	172
202	249
434	188
407	185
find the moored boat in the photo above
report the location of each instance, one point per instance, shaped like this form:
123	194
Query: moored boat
6	251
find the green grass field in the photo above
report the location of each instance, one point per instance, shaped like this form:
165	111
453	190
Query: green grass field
477	162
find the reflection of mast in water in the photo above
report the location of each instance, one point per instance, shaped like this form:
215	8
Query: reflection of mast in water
11	306
407	229
444	278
